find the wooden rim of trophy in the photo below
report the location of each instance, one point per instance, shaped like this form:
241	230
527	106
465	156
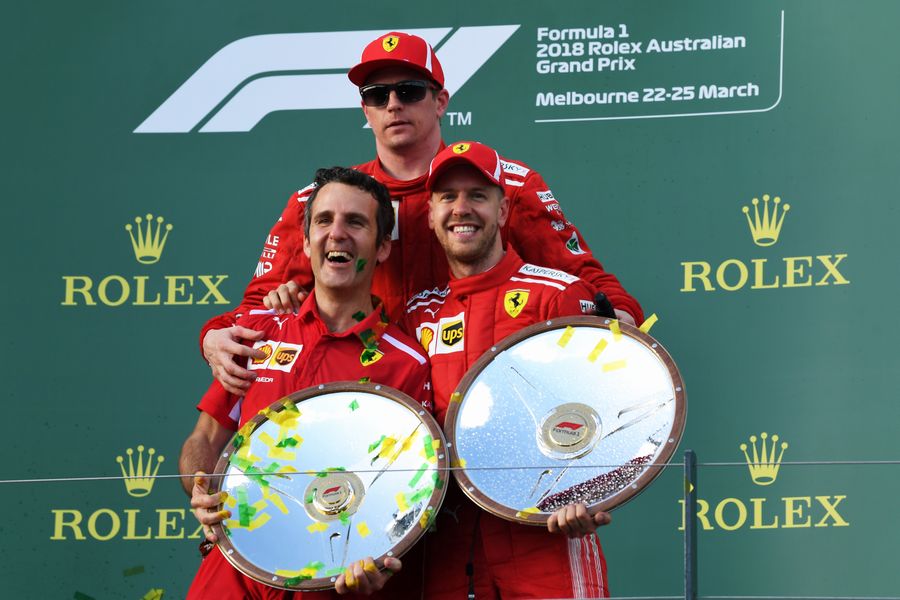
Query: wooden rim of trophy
336	502
638	472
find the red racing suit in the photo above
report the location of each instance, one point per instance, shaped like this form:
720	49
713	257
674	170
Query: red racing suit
301	352
456	325
536	229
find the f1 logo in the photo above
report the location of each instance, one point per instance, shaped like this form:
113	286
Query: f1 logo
250	74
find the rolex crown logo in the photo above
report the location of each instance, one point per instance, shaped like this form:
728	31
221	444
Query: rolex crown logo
763	464
139	479
765	229
148	243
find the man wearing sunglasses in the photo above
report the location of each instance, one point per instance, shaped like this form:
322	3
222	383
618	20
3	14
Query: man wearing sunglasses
401	84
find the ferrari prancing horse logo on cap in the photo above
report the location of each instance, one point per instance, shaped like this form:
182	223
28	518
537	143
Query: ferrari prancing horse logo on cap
514	301
390	43
460	148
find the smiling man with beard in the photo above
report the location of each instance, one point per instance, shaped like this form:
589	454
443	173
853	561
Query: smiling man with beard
472	551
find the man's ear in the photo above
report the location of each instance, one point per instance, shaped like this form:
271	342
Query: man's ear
383	250
504	211
306	249
443	100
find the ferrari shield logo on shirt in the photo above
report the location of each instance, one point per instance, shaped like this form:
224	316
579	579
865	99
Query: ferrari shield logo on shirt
514	301
573	245
370	356
280	356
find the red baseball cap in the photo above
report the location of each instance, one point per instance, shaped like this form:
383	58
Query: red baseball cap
484	158
397	49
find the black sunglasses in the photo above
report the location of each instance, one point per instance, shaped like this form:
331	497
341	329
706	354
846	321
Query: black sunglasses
408	92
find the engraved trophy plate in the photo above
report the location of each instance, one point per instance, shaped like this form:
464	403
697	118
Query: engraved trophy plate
579	409
328	476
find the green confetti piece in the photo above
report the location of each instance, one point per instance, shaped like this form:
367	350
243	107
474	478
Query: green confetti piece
354	405
364	380
315	565
438	482
421	494
312	496
133	571
245	511
428	442
226	529
290	442
383	317
334	571
359	316
80	596
154	594
418	475
241	463
272	468
295	581
329	470
344	517
238	441
374	445
360	264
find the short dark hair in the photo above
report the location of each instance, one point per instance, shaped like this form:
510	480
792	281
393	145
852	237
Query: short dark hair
384	214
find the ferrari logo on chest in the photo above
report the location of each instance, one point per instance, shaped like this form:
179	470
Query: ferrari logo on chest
514	301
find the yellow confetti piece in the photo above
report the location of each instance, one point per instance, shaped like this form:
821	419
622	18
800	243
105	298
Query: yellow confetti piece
455	397
260	504
595	353
531	510
244	453
436	444
648	323
363	529
614	365
401	502
425	519
230	502
154	594
275	499
614	328
317	527
566	336
458	463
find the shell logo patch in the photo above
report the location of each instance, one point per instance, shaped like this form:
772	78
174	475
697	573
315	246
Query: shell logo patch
427	336
389	43
514	301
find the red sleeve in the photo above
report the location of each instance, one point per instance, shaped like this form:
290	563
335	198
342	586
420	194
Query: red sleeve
540	233
576	300
282	259
221	406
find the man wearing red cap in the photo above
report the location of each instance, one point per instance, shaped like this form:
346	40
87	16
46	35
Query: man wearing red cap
401	85
493	293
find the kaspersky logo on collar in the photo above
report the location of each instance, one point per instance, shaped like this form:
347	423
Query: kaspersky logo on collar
254	76
765	221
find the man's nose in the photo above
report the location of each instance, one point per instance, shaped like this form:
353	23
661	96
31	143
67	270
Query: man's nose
393	100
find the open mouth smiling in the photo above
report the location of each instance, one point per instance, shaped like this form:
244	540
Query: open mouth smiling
338	256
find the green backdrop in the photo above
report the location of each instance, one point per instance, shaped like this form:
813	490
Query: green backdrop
653	144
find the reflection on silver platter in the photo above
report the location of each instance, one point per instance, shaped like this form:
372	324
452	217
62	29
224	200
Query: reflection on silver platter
580	409
326	477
